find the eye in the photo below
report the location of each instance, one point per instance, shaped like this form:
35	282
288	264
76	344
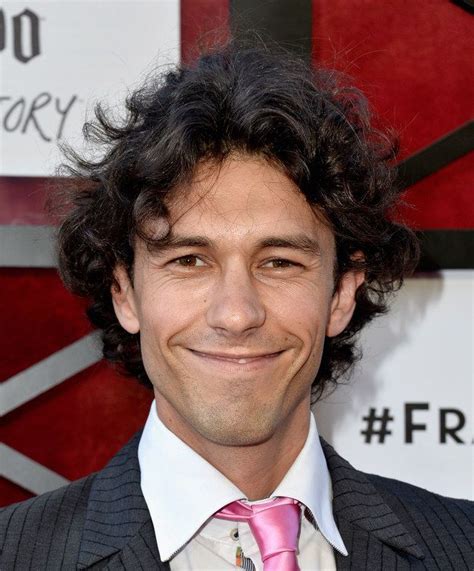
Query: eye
189	261
280	263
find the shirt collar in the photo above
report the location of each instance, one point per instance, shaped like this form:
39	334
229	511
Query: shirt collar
309	482
173	477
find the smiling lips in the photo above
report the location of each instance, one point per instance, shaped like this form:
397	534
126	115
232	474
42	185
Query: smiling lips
238	359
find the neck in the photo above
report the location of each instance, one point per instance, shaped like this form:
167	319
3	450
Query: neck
256	469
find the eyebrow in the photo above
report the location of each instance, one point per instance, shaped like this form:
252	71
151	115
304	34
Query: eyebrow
171	242
299	242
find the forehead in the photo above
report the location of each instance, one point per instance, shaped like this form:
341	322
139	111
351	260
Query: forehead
243	198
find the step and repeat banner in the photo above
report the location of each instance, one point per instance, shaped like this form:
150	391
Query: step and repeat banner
407	411
59	58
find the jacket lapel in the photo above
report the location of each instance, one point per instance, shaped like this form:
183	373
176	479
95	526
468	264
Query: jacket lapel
118	530
139	553
372	532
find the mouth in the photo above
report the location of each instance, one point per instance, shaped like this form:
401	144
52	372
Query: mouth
237	359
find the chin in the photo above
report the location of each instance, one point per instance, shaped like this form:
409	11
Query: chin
237	430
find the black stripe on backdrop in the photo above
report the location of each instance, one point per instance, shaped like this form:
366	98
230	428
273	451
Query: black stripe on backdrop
287	22
446	250
437	155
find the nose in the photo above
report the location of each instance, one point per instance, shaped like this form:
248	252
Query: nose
235	307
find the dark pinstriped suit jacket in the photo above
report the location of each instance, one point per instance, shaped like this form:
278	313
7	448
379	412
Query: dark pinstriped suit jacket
102	522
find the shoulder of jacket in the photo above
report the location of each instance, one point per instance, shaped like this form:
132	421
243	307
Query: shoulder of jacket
419	497
26	521
448	518
443	527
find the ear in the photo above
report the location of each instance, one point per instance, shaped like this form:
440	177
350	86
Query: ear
343	302
123	299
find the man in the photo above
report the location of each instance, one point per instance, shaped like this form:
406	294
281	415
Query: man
233	239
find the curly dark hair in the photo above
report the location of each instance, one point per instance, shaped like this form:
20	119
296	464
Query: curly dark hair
309	122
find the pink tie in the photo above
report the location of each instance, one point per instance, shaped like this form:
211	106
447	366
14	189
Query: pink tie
275	525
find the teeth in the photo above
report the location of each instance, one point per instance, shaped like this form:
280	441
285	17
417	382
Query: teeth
240	361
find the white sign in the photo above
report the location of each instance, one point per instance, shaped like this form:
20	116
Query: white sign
59	58
408	410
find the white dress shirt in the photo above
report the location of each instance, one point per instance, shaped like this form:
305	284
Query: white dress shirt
182	492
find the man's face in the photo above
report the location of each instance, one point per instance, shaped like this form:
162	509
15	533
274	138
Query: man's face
233	314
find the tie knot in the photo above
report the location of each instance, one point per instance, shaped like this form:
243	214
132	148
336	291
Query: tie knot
275	525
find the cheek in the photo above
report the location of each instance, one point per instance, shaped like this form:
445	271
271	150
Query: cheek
164	314
303	310
160	322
